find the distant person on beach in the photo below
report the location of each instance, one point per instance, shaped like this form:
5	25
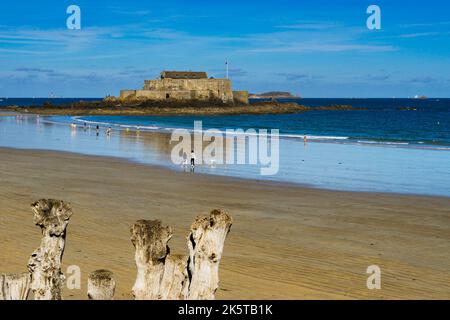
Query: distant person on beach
192	158
185	161
305	139
108	132
97	130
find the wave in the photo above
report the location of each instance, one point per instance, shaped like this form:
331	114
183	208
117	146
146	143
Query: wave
313	137
382	142
206	130
112	124
240	131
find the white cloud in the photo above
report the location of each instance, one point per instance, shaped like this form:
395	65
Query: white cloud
306	37
24	39
132	12
432	24
423	34
317	47
309	25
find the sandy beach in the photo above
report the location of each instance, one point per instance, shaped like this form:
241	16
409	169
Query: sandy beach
287	242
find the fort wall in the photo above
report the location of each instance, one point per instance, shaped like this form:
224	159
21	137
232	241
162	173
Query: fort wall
125	94
186	89
199	88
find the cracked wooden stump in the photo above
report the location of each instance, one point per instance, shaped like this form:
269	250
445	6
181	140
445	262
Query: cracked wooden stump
159	276
205	243
150	240
101	285
44	265
177	277
14	286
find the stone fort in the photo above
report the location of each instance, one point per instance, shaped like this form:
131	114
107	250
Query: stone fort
187	85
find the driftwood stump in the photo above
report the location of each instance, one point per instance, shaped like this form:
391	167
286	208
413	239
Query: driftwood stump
150	241
44	265
101	285
163	276
14	287
205	243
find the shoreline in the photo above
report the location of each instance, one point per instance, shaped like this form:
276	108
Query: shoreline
300	164
302	243
232	179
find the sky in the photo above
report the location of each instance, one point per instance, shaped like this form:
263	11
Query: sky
317	48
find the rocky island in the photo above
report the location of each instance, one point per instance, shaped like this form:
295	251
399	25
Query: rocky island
177	93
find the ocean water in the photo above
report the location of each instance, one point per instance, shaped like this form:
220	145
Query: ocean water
400	122
390	145
21	102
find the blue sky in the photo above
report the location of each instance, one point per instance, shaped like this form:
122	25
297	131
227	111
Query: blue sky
311	48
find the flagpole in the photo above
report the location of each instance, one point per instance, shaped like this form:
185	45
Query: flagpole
226	63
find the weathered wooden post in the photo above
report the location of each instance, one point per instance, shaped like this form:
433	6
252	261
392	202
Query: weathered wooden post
205	243
150	240
163	276
101	285
52	216
14	286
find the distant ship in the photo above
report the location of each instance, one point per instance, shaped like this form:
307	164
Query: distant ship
420	97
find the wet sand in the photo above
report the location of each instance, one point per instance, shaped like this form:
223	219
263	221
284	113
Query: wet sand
287	242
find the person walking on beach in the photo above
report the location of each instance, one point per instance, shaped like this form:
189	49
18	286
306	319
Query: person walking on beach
108	132
192	159
97	130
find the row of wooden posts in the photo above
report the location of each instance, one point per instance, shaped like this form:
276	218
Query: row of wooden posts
160	275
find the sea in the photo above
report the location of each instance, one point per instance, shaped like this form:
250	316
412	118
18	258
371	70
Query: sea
403	122
381	145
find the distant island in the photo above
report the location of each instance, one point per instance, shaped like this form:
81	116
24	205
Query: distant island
273	95
179	93
167	107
